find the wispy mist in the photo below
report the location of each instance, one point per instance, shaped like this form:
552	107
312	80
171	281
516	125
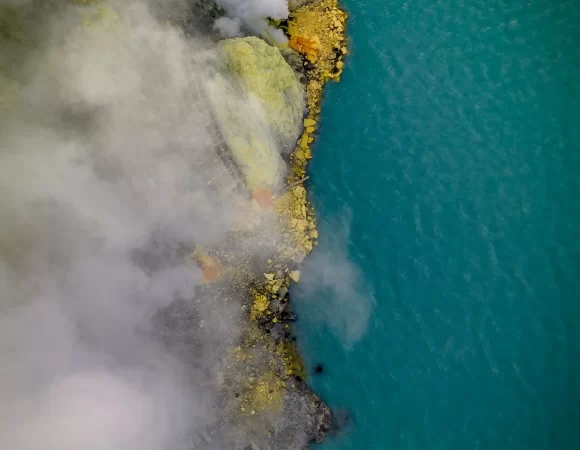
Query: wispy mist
335	286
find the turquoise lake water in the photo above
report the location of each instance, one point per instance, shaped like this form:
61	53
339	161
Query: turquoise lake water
446	180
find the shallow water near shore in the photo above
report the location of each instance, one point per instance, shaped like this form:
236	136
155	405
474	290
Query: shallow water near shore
451	147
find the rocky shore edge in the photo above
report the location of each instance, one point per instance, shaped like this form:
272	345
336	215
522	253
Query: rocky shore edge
316	30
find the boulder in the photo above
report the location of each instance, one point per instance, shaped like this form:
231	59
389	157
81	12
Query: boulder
265	74
259	102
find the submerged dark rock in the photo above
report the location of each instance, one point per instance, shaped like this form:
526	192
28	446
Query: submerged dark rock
288	317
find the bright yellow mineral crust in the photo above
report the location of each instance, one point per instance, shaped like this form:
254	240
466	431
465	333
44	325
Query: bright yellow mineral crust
317	31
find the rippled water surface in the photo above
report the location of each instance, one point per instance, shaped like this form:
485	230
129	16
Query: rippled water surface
449	156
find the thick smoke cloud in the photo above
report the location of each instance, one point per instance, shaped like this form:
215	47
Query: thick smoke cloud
107	173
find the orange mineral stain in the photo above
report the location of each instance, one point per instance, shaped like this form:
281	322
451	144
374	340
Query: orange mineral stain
211	268
263	197
309	46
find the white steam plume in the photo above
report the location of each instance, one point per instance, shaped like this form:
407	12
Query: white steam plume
252	9
106	171
251	14
228	27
